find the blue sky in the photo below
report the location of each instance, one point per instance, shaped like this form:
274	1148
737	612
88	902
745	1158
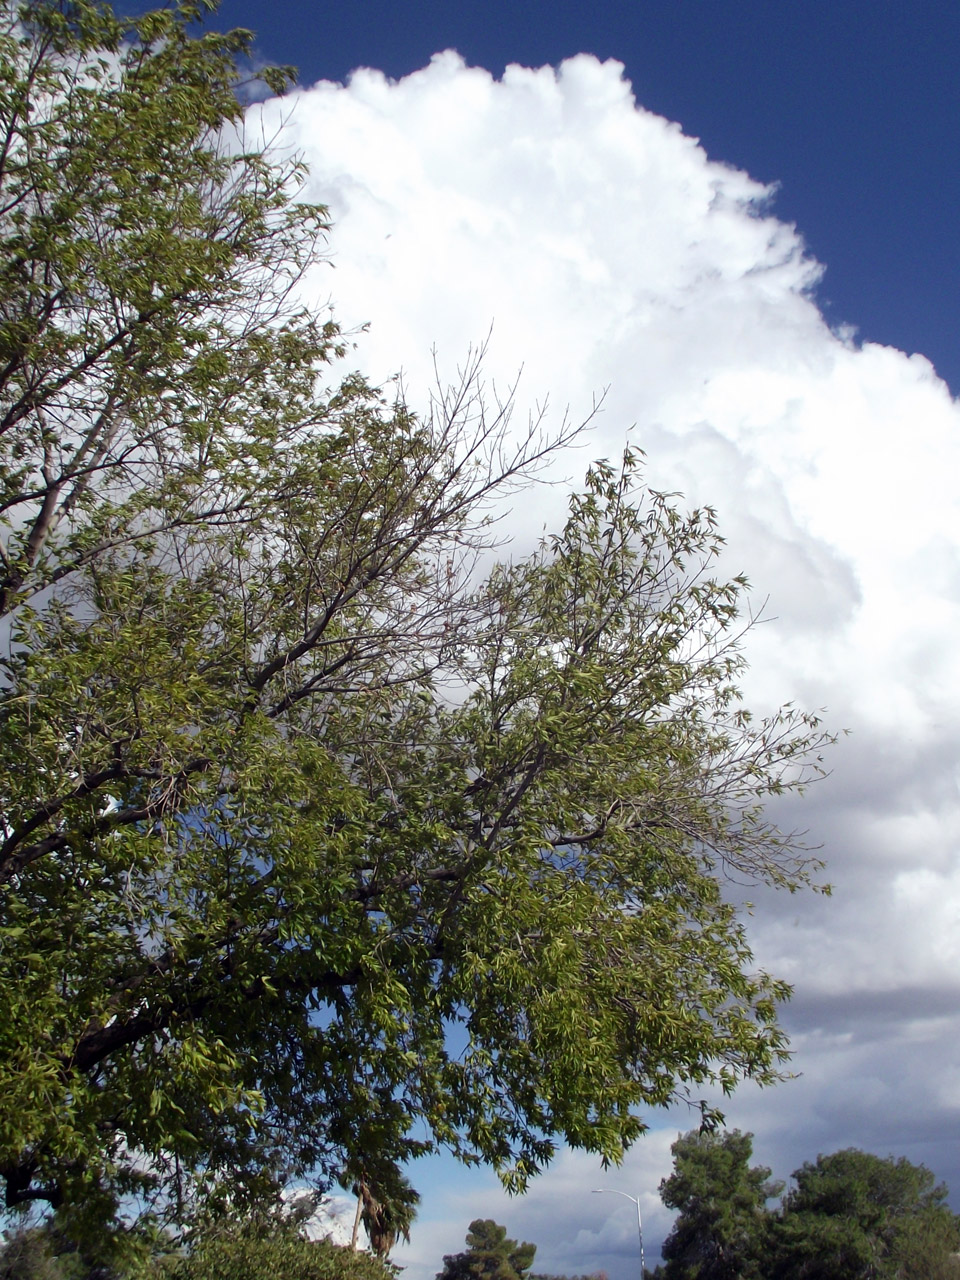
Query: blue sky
852	108
711	287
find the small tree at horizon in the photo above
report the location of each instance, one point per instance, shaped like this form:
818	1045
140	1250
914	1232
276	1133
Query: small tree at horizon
489	1255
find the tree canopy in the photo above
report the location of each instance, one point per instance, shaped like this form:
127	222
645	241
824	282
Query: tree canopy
853	1214
489	1255
320	850
248	1252
719	1233
264	1247
850	1216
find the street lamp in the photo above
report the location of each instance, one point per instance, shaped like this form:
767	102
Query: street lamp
599	1191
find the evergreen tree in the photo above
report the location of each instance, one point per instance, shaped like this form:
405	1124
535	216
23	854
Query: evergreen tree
489	1255
857	1216
720	1231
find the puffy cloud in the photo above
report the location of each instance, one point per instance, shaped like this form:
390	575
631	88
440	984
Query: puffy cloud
607	251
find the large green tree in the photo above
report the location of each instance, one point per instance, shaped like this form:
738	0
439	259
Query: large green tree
316	849
721	1229
850	1216
857	1216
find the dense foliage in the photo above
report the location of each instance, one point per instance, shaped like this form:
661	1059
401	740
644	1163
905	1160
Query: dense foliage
278	1254
489	1255
253	1249
720	1230
318	851
850	1216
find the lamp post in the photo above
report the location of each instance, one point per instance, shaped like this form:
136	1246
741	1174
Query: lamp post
599	1191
